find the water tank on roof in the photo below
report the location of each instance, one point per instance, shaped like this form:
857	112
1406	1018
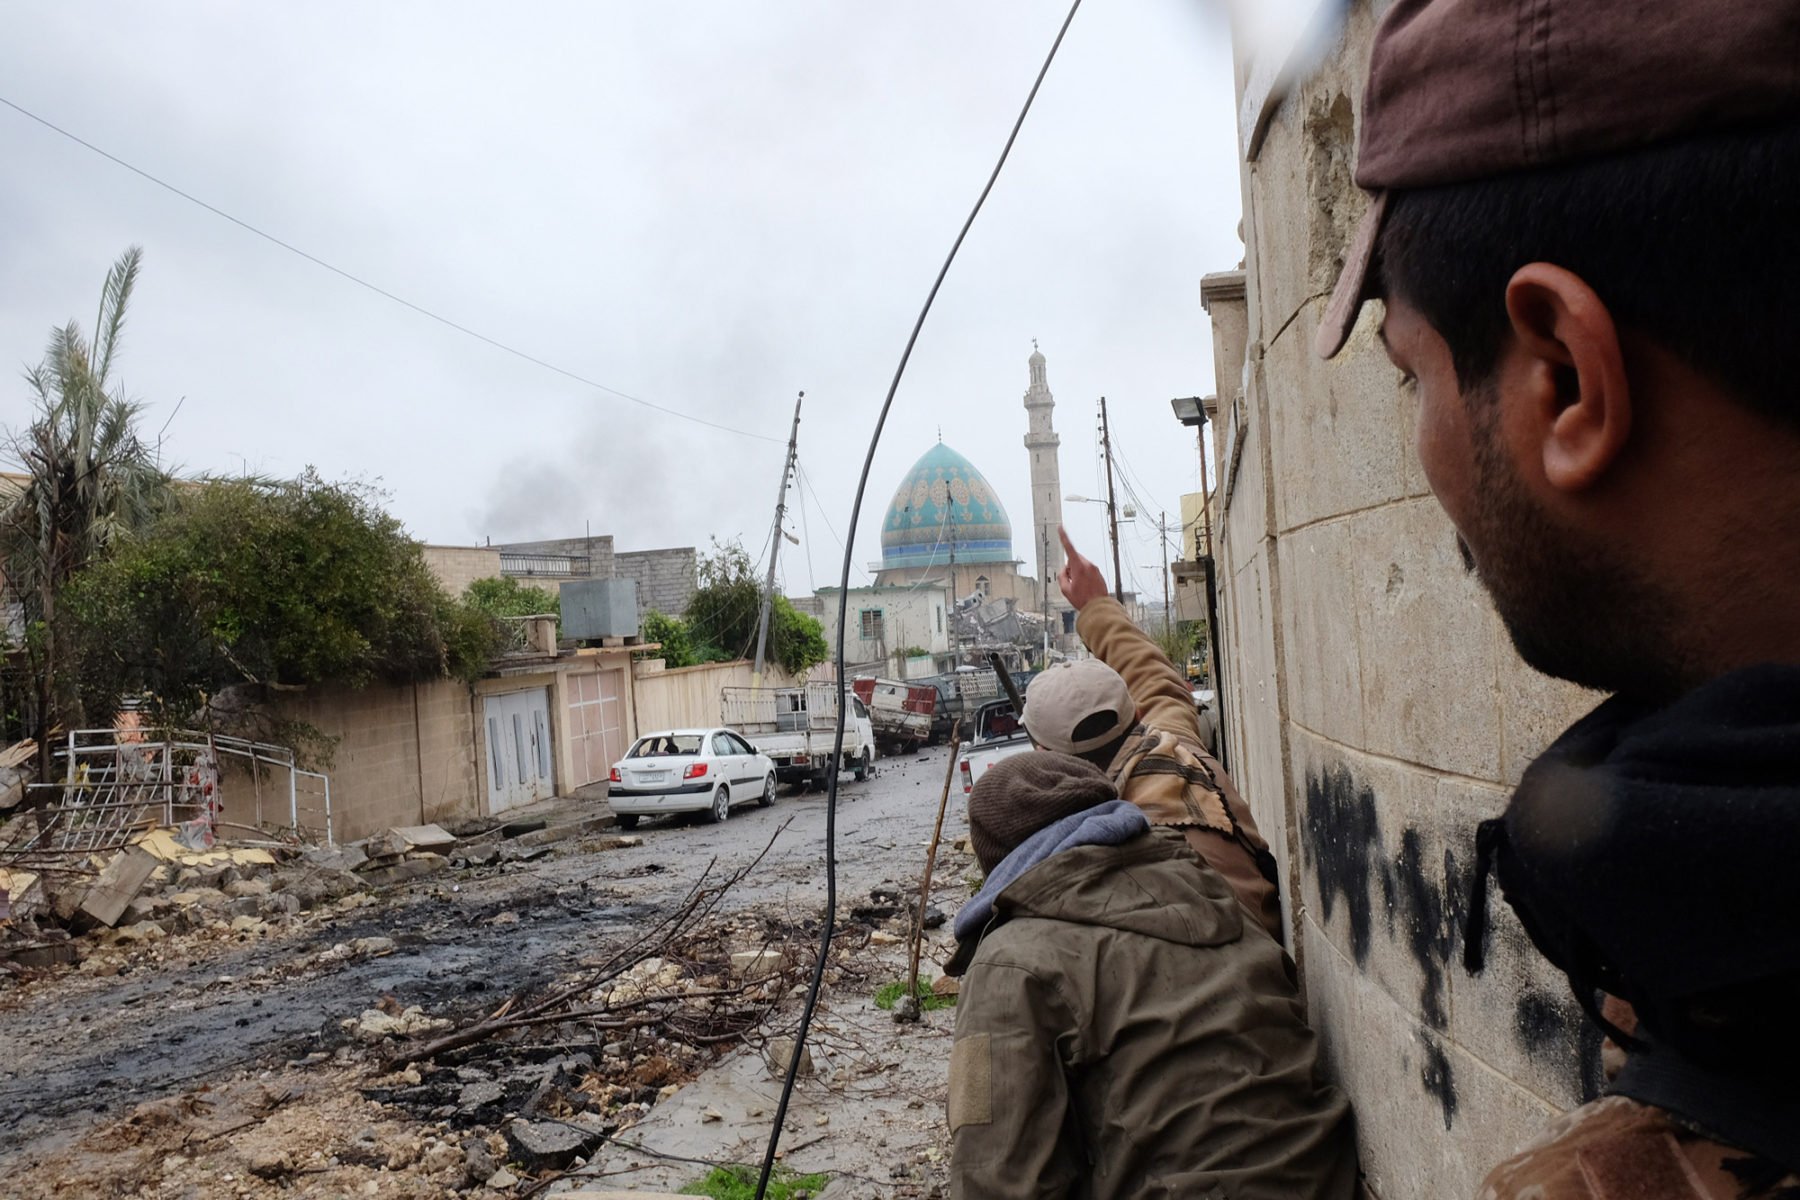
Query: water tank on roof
599	608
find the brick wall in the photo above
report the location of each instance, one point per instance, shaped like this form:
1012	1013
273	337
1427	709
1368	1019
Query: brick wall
1376	710
665	578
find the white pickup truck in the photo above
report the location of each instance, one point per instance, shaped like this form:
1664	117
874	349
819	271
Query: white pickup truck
997	734
795	728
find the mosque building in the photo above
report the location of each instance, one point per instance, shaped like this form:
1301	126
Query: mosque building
951	583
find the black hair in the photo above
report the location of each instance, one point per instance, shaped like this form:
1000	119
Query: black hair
1694	244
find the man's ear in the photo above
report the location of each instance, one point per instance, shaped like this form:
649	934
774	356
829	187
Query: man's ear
1569	371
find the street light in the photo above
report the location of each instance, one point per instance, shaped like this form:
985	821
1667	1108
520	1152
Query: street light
1112	525
1191	411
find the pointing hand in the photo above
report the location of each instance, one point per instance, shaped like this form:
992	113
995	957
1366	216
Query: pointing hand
1080	579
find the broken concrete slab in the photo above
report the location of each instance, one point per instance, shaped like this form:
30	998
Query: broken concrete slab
513	829
516	852
342	858
757	964
119	883
558	833
424	837
550	1146
416	867
475	856
374	1024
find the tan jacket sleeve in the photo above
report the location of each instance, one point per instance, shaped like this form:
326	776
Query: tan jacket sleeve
1161	692
1009	1098
1167	704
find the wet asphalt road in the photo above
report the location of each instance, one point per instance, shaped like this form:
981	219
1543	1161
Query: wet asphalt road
81	1049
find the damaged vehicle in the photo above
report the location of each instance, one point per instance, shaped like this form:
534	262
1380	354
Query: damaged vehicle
689	771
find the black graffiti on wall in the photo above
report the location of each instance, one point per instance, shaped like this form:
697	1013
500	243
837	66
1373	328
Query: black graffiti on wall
1422	903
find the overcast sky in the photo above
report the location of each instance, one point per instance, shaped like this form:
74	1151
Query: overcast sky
709	206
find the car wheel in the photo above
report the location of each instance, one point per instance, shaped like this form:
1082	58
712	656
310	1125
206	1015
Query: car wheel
862	767
768	796
721	806
628	820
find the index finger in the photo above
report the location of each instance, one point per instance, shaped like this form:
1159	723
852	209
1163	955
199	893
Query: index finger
1068	545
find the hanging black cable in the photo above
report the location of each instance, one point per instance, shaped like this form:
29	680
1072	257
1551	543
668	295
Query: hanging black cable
837	748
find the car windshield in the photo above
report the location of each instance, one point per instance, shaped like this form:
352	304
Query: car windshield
658	745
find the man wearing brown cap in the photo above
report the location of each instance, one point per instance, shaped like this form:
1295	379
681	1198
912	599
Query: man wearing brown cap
1123	1029
1585	231
1130	712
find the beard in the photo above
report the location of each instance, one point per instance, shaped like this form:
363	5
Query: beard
1574	607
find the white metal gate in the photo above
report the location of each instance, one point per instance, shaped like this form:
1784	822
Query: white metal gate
518	743
596	724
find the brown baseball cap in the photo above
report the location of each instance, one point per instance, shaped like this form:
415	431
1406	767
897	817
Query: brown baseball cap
1469	89
1078	706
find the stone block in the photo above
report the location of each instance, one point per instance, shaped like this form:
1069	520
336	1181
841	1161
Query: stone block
1428	652
1431	1119
1534	708
550	1145
476	856
781	1051
757	964
342	858
416	867
1336	432
1321	650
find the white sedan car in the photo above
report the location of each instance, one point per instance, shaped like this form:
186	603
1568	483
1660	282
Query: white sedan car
689	770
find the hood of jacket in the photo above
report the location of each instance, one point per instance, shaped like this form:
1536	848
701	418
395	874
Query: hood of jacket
1149	883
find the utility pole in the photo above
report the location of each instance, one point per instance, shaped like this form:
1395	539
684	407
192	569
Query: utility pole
768	599
1044	565
1162	529
1112	504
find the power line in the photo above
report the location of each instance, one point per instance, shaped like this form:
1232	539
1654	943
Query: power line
378	290
829	926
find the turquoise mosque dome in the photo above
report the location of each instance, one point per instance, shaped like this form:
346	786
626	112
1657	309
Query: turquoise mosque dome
941	500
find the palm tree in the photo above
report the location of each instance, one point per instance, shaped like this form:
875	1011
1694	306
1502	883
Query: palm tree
89	480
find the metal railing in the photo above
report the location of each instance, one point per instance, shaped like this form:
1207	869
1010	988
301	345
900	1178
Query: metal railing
112	786
554	566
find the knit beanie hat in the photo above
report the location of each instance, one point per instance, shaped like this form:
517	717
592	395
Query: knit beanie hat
1022	794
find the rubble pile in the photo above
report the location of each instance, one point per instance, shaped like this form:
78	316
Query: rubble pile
554	1086
159	886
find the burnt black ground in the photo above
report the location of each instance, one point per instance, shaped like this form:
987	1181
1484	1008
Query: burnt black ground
79	1050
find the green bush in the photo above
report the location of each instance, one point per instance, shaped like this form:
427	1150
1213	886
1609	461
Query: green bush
722	616
673	635
281	584
504	596
739	1183
888	995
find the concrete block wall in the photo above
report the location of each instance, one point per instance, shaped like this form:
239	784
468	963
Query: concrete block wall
456	567
1376	709
405	754
666	579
